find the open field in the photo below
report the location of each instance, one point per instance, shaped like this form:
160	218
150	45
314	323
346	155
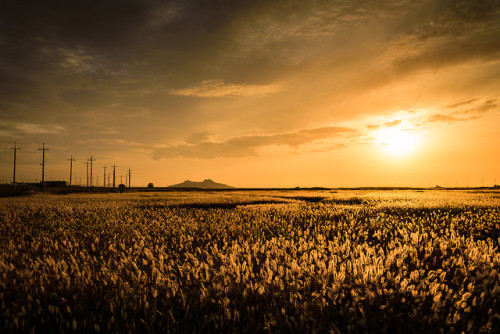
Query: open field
288	261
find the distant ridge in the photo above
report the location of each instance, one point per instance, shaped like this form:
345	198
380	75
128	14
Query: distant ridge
206	184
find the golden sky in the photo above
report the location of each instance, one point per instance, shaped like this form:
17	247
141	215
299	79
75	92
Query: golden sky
254	93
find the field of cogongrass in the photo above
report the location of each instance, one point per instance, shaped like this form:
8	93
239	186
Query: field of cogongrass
324	261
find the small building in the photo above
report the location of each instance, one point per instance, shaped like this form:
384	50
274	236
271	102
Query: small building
55	184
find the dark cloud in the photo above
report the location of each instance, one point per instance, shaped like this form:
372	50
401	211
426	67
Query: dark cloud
248	145
484	107
442	118
449	119
475	106
461	103
199	137
467	110
472	11
445	33
181	43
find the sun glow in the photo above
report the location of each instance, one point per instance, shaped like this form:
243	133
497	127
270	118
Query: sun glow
397	141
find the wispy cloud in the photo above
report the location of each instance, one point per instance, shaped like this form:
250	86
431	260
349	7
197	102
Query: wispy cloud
388	124
461	103
251	145
484	107
449	119
31	128
217	88
122	142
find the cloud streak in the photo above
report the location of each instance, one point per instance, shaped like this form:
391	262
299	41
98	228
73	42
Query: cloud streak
251	145
30	128
449	119
216	88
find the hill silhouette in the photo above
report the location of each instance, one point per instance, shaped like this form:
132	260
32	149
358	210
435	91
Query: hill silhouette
206	184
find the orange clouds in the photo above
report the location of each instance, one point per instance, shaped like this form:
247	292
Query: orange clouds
216	88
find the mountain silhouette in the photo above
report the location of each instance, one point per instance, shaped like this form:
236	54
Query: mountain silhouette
206	184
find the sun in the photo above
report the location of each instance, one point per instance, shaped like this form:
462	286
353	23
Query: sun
397	141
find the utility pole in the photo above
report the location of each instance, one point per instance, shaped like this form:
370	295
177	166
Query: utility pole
87	163
121	179
71	169
109	179
129	173
104	178
114	174
15	148
43	149
91	179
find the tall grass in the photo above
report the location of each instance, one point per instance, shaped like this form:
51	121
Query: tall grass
240	262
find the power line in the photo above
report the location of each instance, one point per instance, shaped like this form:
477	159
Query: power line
43	149
71	169
15	148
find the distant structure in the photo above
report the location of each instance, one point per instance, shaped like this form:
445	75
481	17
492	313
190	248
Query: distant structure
56	184
73	180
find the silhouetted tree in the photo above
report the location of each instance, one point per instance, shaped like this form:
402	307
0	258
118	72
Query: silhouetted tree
121	186
151	185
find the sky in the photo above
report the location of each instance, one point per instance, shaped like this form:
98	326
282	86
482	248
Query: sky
253	93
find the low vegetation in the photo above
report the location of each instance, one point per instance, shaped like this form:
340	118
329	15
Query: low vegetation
251	262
